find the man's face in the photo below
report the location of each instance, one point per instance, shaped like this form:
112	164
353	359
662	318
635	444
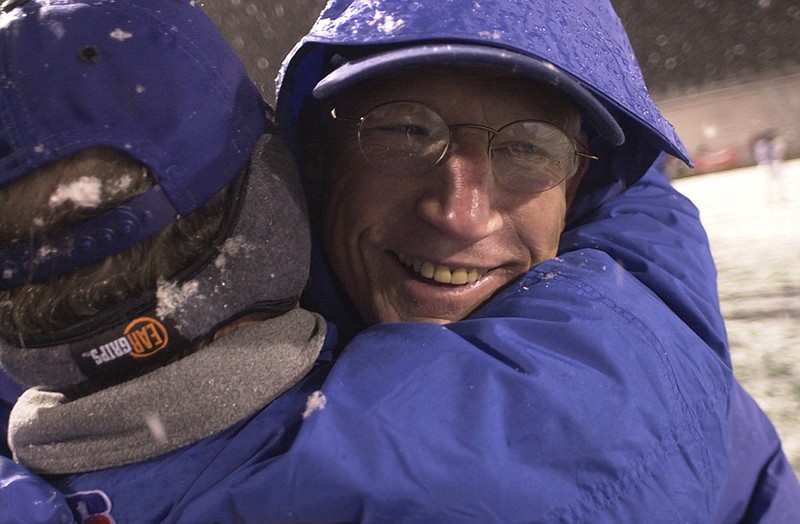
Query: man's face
386	234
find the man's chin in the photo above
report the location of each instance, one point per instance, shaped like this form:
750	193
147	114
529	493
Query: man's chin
429	320
420	314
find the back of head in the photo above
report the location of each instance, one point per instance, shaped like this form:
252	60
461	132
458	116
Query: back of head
141	190
37	207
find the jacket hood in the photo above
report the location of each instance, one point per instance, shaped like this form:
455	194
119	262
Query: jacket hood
583	43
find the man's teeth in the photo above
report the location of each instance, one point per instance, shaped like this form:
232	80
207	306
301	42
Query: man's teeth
441	274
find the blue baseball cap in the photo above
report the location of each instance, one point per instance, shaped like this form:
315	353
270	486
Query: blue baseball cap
152	78
378	61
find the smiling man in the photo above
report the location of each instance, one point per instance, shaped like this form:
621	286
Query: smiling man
475	174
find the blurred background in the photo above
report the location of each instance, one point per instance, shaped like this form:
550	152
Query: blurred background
726	73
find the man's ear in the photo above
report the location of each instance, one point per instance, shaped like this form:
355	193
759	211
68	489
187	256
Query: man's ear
574	181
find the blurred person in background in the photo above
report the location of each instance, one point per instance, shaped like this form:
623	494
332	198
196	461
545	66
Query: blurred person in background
769	149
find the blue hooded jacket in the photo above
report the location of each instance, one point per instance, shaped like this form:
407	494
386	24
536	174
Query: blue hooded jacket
597	388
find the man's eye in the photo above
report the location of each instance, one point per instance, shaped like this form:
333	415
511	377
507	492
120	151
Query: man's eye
407	139
520	150
401	130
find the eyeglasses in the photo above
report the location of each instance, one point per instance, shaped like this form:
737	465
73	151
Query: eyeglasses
407	138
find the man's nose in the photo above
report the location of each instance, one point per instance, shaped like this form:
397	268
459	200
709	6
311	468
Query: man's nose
460	197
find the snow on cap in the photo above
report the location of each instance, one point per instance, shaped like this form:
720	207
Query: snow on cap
151	78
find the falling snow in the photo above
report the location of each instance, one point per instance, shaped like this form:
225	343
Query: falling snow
156	427
44	251
316	402
119	34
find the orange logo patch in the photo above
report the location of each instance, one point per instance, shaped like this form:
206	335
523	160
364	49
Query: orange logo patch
146	336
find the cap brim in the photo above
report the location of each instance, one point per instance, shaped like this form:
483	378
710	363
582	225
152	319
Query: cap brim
466	55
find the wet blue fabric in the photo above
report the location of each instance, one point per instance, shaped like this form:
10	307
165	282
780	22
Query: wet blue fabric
760	485
28	499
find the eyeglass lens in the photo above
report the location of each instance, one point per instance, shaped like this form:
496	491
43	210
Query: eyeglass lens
410	138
